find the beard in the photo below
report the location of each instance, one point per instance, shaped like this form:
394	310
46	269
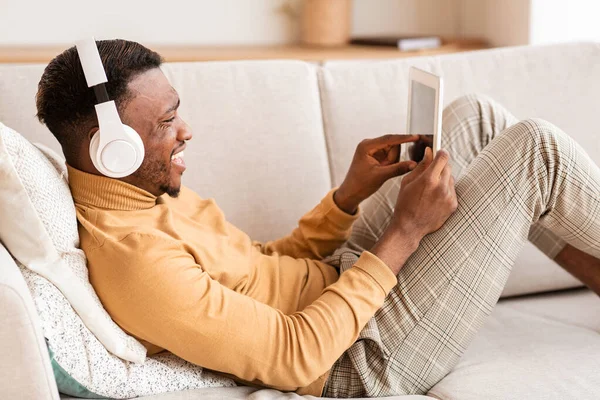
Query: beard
158	174
170	190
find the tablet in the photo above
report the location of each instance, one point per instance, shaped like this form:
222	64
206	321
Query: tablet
425	94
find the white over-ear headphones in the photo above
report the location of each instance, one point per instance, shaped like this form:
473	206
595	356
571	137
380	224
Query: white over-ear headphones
116	149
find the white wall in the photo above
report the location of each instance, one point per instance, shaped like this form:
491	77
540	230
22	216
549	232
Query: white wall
520	22
205	22
500	22
149	21
554	21
372	17
256	22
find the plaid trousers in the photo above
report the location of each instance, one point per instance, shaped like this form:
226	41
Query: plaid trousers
514	181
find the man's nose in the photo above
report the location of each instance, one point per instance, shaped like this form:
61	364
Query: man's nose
185	132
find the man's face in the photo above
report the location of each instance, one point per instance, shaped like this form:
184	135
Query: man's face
152	112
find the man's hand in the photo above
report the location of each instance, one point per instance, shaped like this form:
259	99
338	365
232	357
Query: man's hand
375	161
427	197
425	201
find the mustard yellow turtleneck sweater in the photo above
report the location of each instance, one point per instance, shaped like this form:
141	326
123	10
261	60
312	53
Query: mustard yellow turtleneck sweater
176	275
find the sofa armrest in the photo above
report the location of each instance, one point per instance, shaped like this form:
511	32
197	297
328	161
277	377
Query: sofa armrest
25	369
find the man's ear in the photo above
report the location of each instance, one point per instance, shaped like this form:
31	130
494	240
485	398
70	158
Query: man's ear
91	133
85	160
85	146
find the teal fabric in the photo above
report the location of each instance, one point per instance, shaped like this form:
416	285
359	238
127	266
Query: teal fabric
66	384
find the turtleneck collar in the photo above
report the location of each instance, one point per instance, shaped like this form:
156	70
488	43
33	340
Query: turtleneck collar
107	193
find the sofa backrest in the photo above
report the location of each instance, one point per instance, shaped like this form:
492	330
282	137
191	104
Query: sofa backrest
258	145
271	137
560	83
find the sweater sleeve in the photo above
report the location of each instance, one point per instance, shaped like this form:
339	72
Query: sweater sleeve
159	294
319	232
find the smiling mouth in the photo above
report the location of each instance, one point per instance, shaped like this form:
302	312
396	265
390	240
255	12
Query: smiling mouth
177	159
177	155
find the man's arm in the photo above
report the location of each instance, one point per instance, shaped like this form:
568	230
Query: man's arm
319	232
425	201
159	294
328	225
154	289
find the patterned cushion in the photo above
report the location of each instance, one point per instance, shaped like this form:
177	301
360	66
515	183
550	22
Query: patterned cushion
40	230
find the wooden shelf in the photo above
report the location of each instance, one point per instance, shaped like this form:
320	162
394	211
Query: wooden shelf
43	54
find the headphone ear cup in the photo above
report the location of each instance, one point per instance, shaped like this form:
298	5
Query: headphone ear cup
94	142
118	158
137	143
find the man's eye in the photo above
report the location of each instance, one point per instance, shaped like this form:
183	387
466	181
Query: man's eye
169	120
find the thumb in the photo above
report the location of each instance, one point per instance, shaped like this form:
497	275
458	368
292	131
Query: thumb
397	169
425	161
427	158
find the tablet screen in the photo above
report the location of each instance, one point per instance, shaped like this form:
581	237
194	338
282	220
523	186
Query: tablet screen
422	117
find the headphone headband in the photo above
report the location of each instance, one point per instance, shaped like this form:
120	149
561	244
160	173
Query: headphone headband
101	93
116	150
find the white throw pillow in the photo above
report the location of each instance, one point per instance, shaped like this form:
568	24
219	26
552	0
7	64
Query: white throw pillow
39	228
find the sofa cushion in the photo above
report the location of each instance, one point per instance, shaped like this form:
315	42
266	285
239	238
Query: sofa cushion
367	99
18	85
258	146
39	228
21	339
543	347
250	393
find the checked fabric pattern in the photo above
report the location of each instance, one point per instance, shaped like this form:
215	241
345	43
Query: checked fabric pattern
515	180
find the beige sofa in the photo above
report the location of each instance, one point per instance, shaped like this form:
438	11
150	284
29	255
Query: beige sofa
272	137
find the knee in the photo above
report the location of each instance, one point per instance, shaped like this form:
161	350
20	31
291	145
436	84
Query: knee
468	107
472	101
540	133
472	98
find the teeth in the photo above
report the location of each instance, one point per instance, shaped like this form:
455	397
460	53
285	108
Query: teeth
177	155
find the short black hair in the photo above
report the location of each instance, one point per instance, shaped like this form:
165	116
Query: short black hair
66	104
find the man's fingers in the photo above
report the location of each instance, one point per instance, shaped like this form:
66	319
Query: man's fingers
451	185
399	168
439	162
427	156
452	190
393	155
424	163
446	174
388	140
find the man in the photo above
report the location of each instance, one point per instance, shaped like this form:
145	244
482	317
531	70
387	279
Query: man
421	268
